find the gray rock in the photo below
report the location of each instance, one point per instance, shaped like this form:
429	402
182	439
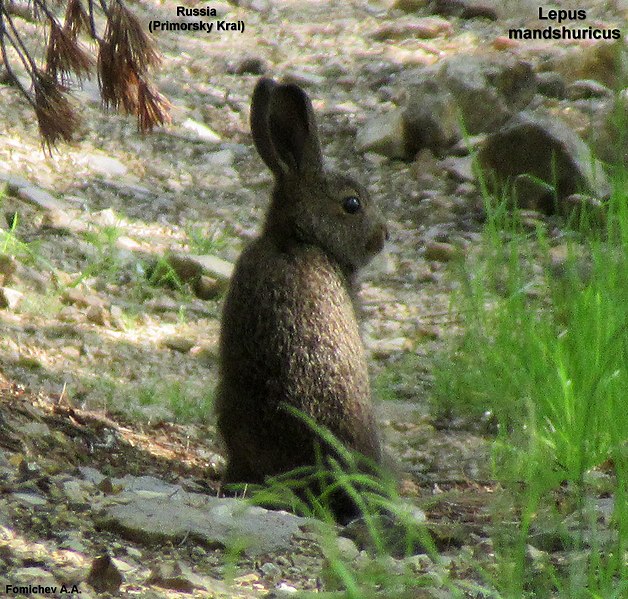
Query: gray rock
541	157
460	168
608	135
384	134
157	518
422	28
465	9
190	267
584	89
179	344
41	198
104	576
271	572
488	92
8	265
10	298
431	117
107	166
251	65
150	510
30	499
551	84
409	5
440	251
208	288
30	576
305	78
179	577
201	131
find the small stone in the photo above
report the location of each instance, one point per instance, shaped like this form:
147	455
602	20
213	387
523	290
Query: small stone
222	158
347	548
201	131
424	28
41	199
304	78
97	315
107	166
117	317
409	5
189	267
73	541
286	589
179	344
30	499
208	288
250	65
70	314
503	42
551	84
384	348
384	134
134	553
10	298
271	572
585	89
104	576
460	168
175	576
431	118
74	492
465	9
31	576
440	251
81	299
8	265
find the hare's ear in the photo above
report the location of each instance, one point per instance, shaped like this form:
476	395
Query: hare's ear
260	127
284	128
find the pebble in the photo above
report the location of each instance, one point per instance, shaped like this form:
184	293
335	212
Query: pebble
179	344
107	166
10	298
271	572
201	131
41	198
384	134
587	88
424	28
440	251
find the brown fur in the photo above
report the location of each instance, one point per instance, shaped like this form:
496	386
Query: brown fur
289	330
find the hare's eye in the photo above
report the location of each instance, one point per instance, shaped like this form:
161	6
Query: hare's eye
351	204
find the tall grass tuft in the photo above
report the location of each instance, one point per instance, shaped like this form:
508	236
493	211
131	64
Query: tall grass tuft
545	356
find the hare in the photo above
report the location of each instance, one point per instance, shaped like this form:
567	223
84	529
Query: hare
289	332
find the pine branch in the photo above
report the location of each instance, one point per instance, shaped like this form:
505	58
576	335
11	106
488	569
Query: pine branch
126	55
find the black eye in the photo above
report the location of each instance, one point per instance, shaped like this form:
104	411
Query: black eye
351	204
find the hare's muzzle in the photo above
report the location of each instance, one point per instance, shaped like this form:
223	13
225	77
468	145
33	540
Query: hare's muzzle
376	242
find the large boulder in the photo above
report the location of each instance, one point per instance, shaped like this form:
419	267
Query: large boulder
488	91
543	160
469	93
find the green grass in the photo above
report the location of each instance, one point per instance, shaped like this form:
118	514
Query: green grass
186	404
545	354
204	240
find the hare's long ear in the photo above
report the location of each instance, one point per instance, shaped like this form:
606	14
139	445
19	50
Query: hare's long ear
284	129
260	127
293	130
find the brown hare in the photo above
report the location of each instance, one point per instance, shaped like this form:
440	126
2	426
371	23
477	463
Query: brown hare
289	334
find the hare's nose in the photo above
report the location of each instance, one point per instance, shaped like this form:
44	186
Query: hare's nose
386	233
